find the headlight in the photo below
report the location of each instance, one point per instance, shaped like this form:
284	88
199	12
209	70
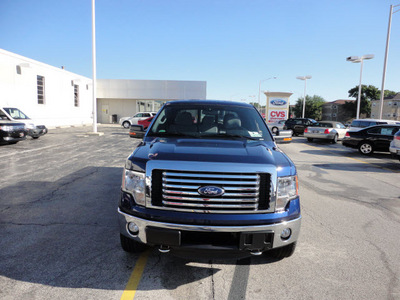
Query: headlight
288	189
134	182
6	128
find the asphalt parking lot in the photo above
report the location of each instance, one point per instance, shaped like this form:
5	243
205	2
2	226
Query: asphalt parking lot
59	237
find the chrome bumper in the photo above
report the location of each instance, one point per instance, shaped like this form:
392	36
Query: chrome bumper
277	228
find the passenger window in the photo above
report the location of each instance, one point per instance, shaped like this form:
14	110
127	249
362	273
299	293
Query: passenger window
387	131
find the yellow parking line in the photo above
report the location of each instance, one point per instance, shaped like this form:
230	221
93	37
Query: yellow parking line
133	282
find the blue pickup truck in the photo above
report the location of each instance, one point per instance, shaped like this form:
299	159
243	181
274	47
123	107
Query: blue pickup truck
208	176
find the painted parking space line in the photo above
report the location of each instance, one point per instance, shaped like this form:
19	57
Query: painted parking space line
134	279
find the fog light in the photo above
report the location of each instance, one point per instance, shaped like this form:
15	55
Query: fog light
133	228
286	233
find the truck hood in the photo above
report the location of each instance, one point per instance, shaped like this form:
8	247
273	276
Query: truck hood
210	150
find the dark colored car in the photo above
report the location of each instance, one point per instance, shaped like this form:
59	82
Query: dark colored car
370	139
297	125
12	132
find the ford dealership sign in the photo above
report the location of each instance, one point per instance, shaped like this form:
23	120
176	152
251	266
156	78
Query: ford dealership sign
278	102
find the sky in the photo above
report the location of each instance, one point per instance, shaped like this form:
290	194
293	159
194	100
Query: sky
232	45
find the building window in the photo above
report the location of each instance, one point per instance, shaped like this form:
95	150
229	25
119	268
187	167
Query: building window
76	95
40	89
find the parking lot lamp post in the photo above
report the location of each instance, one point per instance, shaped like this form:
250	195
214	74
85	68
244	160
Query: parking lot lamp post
94	67
356	59
305	88
259	90
385	61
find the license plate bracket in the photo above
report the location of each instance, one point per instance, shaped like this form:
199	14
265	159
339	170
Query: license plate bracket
256	240
166	237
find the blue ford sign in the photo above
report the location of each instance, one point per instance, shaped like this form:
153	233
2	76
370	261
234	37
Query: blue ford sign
278	102
211	191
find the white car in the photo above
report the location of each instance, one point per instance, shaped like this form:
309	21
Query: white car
275	126
394	147
327	130
126	122
359	124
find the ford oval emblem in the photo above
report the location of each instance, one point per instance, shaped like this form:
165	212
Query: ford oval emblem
211	191
278	102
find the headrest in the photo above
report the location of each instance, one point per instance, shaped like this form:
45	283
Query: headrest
184	118
230	121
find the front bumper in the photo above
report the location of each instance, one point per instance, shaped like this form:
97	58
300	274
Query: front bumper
37	131
169	234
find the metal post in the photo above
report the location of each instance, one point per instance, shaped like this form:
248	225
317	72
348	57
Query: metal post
94	66
384	63
359	91
304	100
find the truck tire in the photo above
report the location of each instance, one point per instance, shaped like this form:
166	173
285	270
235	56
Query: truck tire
282	252
126	124
130	245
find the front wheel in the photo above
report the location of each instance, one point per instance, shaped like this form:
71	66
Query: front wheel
126	124
130	245
365	148
282	252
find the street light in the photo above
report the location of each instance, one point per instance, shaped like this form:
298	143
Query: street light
356	59
305	87
259	90
386	56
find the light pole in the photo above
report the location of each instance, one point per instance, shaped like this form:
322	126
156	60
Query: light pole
94	96
259	90
386	56
356	59
305	87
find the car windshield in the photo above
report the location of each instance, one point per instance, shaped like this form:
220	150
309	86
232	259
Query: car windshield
16	113
210	121
326	125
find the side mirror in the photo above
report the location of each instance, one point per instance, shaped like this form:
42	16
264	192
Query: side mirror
136	131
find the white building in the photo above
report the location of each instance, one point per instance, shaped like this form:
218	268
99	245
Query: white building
50	95
56	97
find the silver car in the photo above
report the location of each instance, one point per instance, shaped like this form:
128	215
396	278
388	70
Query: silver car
327	130
126	122
275	126
394	147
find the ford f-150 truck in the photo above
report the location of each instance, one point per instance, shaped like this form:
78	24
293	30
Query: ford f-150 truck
208	175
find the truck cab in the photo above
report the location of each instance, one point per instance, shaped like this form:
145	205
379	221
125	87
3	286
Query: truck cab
208	176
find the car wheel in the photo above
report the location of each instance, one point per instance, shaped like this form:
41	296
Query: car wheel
310	139
274	130
35	137
365	148
282	252
335	138
126	124
130	245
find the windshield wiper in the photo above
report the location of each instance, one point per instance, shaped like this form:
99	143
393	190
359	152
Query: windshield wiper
166	134
231	136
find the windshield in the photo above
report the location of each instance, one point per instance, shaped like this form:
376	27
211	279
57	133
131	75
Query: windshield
15	113
210	121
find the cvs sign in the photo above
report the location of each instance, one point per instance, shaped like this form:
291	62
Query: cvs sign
276	115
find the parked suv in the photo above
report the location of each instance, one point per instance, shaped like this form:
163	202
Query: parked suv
297	125
126	122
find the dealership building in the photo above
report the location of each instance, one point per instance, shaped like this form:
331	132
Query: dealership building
56	97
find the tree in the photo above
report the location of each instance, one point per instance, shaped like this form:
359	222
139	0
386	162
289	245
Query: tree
368	93
313	107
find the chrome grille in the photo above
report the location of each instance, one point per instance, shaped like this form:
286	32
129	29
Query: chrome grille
179	190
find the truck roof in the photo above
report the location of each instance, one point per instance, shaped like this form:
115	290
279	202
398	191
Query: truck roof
208	102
